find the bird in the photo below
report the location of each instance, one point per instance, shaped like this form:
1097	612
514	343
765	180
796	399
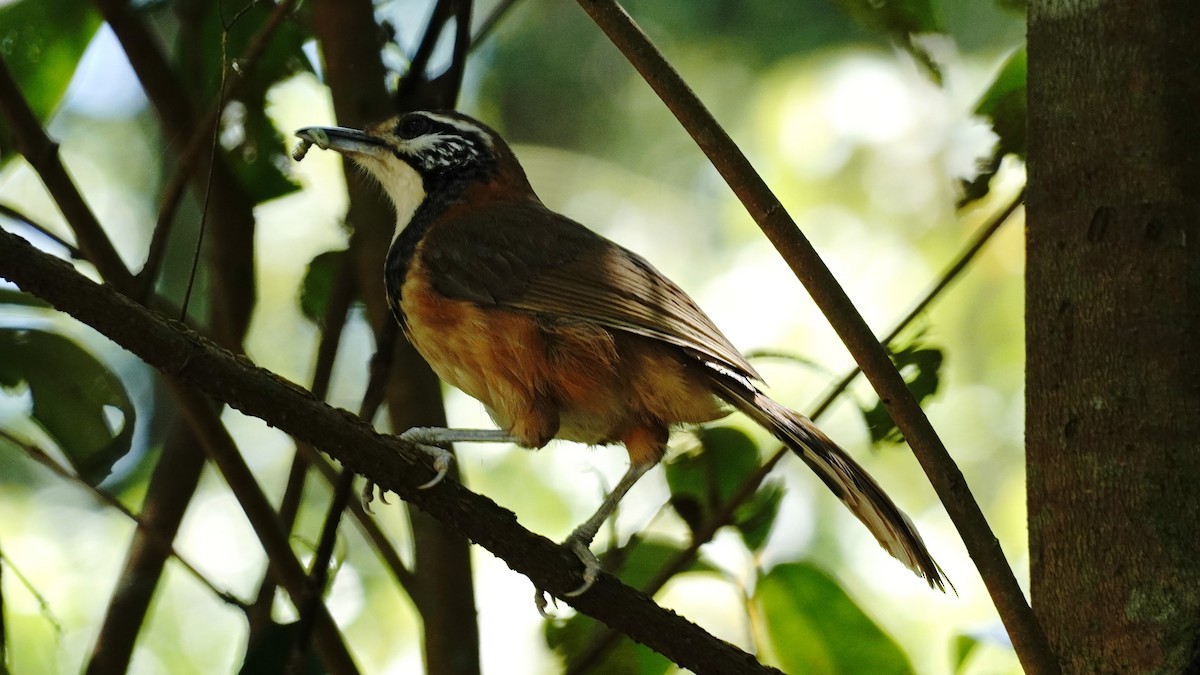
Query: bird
560	332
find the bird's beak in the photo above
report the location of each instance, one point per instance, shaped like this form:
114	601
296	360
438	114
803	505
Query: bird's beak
343	140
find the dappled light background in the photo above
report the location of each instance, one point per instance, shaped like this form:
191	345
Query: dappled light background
864	150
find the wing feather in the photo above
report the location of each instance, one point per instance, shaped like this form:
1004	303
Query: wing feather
522	256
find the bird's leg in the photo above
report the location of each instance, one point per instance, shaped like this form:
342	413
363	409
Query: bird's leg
428	439
579	541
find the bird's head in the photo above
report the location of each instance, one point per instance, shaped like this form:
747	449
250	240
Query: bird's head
425	153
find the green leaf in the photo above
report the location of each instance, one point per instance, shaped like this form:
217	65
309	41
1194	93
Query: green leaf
728	456
318	284
41	42
963	646
814	627
9	296
1004	104
259	156
71	393
702	482
755	518
921	368
636	564
900	21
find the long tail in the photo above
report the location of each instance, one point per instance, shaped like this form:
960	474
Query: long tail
849	481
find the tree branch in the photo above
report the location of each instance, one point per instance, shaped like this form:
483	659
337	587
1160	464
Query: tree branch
184	463
231	247
397	466
591	655
42	153
1026	634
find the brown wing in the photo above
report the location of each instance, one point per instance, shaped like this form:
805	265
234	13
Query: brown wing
522	256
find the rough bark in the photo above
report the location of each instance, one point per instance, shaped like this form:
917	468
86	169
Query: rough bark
1113	318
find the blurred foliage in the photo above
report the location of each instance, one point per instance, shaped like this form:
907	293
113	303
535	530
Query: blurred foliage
1004	105
274	653
964	646
702	482
72	393
814	627
318	284
576	74
636	563
921	368
904	21
41	60
224	35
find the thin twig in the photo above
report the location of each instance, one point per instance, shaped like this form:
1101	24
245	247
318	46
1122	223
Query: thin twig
172	194
13	214
490	23
44	458
1029	641
722	516
43	603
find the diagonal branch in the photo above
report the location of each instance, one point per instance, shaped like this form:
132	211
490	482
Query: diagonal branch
1026	634
395	465
42	457
42	153
591	655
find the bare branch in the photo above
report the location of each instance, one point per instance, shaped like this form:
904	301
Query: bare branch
42	153
591	655
1028	639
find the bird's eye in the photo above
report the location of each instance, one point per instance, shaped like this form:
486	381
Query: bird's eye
412	126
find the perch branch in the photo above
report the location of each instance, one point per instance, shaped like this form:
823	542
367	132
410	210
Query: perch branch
395	465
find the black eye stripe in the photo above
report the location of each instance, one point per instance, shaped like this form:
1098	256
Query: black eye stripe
436	146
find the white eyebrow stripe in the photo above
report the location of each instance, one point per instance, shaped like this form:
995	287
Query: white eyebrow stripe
461	125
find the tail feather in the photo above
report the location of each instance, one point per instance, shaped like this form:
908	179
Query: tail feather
844	477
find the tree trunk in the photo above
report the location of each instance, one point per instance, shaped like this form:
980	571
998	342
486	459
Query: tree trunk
1113	332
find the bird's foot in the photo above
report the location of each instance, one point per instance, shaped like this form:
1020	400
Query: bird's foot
591	564
578	544
441	457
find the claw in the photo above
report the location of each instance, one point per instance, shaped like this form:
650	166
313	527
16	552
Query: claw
418	436
591	565
591	572
441	464
368	495
539	599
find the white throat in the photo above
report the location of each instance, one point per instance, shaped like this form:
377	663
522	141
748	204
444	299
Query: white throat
404	186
